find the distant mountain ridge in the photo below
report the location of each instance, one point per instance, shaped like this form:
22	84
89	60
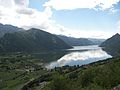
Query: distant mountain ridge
75	41
112	44
96	41
14	39
8	29
33	40
80	41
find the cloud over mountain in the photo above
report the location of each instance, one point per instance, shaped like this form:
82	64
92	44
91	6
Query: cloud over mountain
18	13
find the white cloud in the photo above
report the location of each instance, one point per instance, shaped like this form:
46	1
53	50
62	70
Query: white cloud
25	11
17	13
83	33
75	4
6	3
61	30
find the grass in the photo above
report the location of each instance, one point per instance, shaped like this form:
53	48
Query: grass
17	69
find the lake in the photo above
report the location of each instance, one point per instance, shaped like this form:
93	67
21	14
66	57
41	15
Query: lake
79	55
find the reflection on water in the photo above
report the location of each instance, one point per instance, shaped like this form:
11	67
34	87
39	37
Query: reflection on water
91	54
90	47
48	57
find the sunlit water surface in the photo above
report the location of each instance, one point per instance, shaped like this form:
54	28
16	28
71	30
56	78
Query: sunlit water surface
82	55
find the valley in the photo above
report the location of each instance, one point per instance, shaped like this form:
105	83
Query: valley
37	60
59	44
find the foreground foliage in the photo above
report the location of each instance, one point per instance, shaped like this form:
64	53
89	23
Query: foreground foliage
103	75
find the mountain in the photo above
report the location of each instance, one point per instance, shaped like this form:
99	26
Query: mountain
8	29
33	40
112	44
75	41
96	41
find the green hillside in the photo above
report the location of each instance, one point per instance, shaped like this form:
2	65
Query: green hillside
112	45
33	40
101	75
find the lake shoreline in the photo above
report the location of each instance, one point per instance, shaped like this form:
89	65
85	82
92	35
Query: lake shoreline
79	55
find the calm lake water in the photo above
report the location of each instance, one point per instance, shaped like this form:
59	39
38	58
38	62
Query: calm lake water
79	55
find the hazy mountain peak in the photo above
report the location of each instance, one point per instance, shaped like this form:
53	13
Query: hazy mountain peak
8	29
112	44
35	29
117	34
115	37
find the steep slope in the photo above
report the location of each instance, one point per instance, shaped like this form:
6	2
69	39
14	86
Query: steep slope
33	40
8	29
76	41
112	44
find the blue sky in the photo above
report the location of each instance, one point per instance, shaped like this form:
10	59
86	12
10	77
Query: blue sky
76	18
37	4
85	18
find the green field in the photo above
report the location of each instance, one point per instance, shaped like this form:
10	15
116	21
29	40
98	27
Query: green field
17	69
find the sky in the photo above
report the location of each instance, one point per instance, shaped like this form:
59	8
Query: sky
75	18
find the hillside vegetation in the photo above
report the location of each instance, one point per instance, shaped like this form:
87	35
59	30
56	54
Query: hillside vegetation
33	40
17	69
102	75
112	45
